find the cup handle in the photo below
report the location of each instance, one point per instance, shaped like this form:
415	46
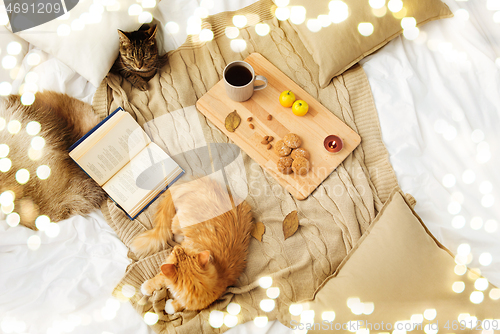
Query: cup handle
261	78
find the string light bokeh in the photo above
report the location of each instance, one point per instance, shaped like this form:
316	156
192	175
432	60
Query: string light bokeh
23	176
338	12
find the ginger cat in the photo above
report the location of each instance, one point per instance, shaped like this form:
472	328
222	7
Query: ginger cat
213	252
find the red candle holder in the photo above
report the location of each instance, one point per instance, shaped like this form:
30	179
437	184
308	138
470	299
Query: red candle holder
333	144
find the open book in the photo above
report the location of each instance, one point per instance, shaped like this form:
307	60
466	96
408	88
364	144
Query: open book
122	159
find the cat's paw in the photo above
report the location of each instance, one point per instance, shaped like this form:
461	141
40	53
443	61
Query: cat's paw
173	306
169	308
179	238
147	288
142	85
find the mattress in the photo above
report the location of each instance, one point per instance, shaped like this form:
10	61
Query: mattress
438	100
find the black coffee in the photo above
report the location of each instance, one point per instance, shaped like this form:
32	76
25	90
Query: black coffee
238	76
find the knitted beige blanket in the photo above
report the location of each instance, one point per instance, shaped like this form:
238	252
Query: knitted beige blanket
332	219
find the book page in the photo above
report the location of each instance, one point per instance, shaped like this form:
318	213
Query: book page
105	152
136	183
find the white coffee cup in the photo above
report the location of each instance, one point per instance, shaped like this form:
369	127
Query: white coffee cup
239	77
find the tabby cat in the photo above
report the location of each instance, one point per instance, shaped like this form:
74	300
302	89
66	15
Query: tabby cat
138	60
212	254
68	190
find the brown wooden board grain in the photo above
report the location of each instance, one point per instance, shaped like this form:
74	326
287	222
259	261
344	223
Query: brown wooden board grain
312	128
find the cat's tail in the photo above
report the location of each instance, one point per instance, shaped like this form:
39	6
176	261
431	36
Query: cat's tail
156	239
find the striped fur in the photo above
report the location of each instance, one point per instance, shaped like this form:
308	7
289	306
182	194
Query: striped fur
138	60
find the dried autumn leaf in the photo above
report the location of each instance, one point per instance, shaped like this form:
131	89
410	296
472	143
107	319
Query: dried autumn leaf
290	224
258	230
232	121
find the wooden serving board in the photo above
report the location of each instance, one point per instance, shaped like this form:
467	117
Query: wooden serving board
312	128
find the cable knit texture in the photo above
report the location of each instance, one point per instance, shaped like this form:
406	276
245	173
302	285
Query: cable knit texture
332	219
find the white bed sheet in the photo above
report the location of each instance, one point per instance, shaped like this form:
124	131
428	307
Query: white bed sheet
438	101
430	101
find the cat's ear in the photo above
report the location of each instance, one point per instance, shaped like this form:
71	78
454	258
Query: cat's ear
204	258
123	37
152	31
168	269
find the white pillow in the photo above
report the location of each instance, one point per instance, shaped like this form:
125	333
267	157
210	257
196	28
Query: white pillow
90	49
12	51
179	11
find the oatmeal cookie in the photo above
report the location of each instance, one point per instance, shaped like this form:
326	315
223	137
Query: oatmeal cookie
292	140
285	165
300	152
281	148
300	166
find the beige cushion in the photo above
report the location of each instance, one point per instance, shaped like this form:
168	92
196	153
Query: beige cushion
400	268
340	45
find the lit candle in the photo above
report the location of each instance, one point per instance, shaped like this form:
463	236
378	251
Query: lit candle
333	144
